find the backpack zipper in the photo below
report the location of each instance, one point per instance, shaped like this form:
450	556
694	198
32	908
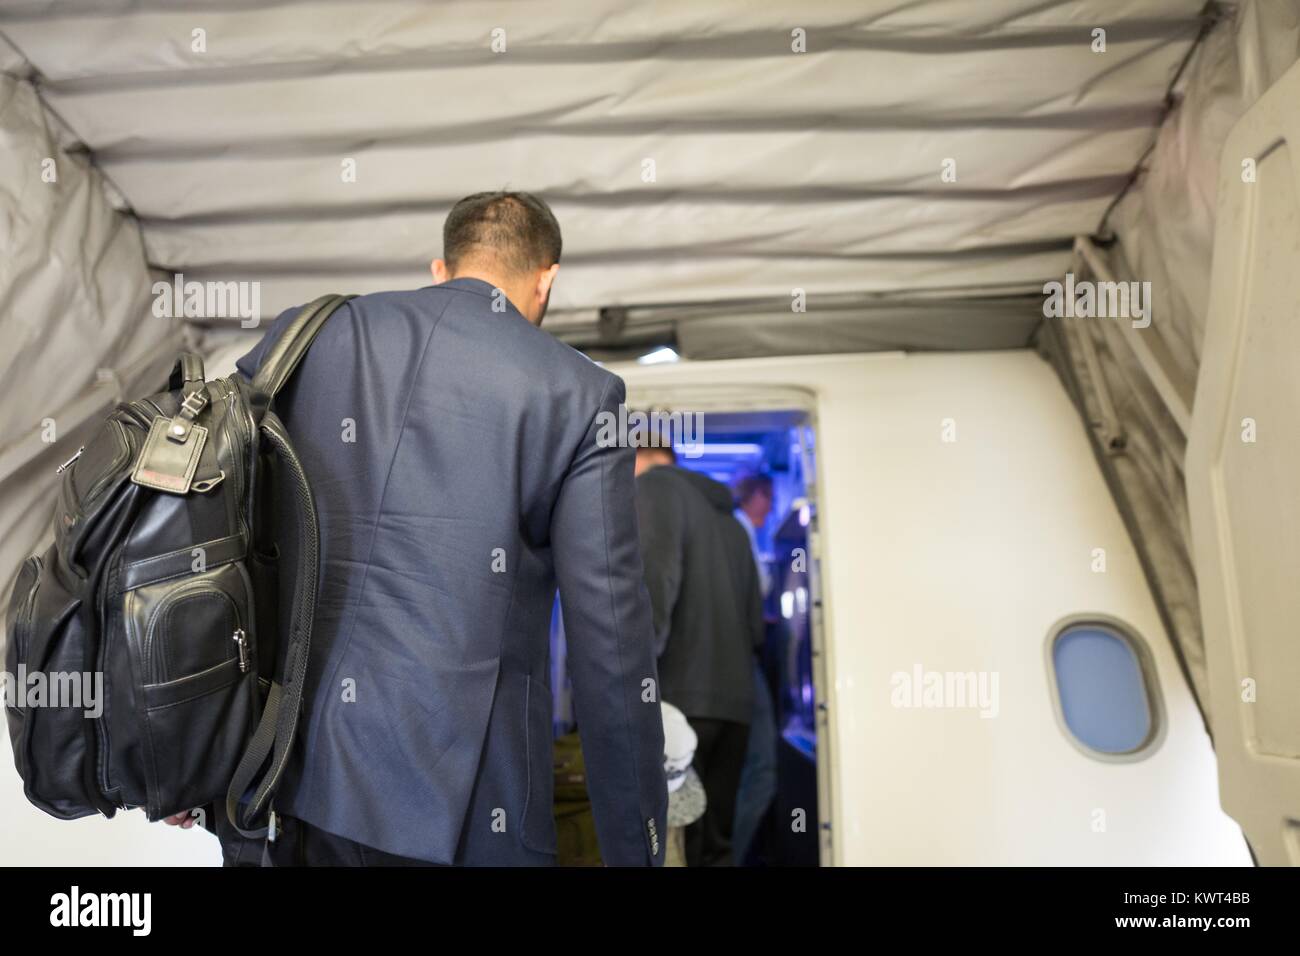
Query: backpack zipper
241	639
70	462
101	724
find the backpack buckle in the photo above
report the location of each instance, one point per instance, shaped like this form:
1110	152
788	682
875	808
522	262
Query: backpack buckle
178	429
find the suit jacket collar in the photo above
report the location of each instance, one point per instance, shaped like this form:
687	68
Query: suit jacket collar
470	284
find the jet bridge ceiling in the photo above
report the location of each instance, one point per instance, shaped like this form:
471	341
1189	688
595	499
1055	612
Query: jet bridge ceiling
702	169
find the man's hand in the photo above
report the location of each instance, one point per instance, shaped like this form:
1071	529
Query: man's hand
185	820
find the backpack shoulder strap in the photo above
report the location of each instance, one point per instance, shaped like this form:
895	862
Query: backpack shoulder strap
256	779
287	351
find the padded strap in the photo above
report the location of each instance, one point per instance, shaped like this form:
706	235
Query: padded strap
288	349
258	774
273	740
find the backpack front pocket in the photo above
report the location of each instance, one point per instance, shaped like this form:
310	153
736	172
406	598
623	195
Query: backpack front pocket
51	696
21	604
193	646
186	626
196	628
199	726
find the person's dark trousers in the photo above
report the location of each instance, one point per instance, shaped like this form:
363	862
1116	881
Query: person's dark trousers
301	844
719	758
236	849
758	779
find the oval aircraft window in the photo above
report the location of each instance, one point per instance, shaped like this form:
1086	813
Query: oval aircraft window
1104	689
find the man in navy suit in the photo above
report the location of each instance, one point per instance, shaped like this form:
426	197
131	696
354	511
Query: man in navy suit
457	458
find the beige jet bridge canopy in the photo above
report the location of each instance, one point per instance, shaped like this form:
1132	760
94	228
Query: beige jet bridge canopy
889	159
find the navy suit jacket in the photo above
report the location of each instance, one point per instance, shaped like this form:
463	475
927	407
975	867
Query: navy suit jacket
453	453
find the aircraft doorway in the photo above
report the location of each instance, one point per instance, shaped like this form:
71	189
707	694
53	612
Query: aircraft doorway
776	448
777	812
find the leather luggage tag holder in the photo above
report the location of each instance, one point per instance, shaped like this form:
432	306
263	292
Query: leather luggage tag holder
168	465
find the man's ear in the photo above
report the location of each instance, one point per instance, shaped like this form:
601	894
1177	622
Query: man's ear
545	280
440	272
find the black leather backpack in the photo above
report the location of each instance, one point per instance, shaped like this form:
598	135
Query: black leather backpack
181	582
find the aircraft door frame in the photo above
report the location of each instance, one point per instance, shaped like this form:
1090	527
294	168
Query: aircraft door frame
1243	460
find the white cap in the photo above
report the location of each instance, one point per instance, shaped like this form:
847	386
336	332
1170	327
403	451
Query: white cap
679	745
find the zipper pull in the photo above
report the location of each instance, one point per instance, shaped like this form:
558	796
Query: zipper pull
68	464
241	639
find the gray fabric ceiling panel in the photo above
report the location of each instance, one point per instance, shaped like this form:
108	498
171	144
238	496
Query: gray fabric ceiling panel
235	110
861	230
744	166
774	169
686	280
74	305
116	38
969	323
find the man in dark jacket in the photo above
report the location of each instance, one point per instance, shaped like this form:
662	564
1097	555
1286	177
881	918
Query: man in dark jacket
708	620
453	448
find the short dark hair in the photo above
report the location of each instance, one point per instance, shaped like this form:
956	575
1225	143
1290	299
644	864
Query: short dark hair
655	435
515	228
750	485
